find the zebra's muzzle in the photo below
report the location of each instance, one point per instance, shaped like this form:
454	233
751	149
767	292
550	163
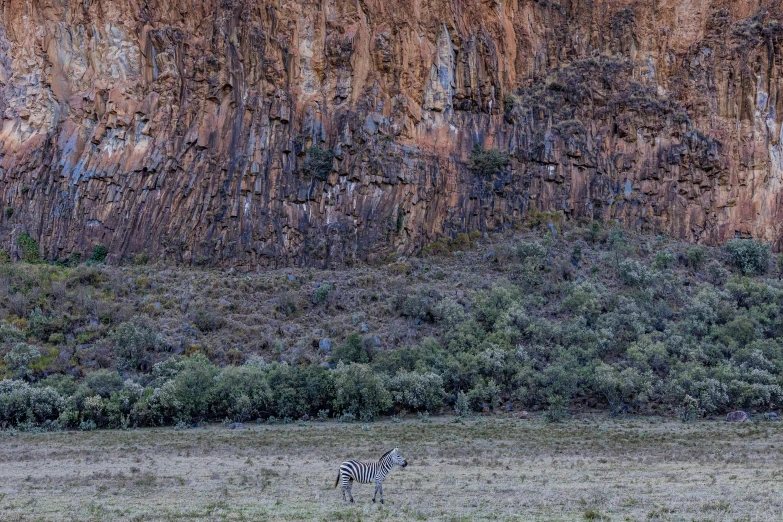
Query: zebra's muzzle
404	463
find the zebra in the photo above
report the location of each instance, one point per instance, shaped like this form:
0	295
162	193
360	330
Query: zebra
365	472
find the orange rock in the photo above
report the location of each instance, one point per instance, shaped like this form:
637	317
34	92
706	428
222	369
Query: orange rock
184	130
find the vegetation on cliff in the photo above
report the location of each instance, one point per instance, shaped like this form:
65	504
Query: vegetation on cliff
548	317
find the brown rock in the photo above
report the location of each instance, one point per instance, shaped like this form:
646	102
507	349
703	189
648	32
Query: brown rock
183	129
737	416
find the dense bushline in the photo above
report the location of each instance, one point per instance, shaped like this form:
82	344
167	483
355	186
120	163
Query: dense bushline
592	316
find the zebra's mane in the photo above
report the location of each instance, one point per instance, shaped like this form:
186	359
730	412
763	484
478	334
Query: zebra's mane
385	454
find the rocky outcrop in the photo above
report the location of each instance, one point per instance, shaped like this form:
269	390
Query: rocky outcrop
319	133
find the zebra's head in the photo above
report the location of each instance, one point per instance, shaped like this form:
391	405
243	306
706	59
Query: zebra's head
397	459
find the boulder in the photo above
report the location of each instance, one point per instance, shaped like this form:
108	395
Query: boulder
325	345
237	426
737	416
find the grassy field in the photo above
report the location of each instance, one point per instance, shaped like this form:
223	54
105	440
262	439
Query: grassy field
485	468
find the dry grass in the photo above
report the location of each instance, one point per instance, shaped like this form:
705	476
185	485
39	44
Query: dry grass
593	468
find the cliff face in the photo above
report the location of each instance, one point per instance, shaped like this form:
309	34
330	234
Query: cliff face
321	132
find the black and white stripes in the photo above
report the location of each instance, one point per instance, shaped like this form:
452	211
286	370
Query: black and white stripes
364	472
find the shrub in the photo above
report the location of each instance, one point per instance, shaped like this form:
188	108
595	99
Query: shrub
484	394
319	162
22	404
322	294
208	320
716	273
351	351
557	410
5	257
99	254
628	386
9	212
663	259
594	232
65	385
695	256
583	299
748	256
102	383
487	162
462	405
417	391
28	248
187	397
576	254
689	410
40	325
449	312
632	273
532	253
10	333
132	340
240	392
359	391
19	358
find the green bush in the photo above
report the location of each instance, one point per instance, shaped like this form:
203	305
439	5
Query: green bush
133	340
351	351
594	232
187	396
240	393
487	162
360	391
748	256
633	273
319	162
484	394
19	357
557	410
322	294
102	383
99	254
695	256
417	391
24	405
663	259
532	253
28	248
716	273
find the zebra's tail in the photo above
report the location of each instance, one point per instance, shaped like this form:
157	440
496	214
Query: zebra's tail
338	480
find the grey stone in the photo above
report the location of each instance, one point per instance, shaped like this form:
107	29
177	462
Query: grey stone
237	426
737	416
325	345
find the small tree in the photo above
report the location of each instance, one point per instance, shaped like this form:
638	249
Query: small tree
19	358
28	248
319	162
99	254
487	162
749	256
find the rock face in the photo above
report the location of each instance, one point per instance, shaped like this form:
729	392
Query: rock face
241	132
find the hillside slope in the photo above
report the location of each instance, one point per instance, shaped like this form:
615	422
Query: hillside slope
538	318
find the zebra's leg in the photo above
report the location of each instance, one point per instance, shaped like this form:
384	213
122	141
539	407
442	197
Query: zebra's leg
380	490
377	485
350	483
